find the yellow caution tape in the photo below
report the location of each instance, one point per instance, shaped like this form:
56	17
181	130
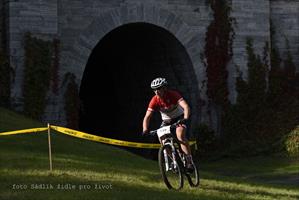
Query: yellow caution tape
30	130
96	138
91	137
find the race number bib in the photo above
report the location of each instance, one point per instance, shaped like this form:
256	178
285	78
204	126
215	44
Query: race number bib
163	131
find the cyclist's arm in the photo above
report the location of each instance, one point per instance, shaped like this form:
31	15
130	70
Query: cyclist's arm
146	120
185	107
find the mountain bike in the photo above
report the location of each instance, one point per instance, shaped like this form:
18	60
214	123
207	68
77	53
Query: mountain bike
172	160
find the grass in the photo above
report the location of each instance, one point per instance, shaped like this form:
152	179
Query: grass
90	170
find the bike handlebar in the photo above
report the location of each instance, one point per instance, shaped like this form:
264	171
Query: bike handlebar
154	132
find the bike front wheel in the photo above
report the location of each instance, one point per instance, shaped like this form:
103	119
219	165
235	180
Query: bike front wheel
170	169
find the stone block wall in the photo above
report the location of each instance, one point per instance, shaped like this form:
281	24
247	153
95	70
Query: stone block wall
67	20
285	19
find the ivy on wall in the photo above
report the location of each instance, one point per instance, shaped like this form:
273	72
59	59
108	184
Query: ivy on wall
55	66
252	93
41	76
218	51
265	112
71	100
40	70
275	75
267	106
243	119
36	75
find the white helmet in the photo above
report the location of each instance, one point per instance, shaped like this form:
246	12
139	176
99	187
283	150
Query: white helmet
158	82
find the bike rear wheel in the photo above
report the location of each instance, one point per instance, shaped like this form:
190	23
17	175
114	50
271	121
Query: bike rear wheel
193	177
171	172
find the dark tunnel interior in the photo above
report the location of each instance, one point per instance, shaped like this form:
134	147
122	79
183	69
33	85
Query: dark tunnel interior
115	88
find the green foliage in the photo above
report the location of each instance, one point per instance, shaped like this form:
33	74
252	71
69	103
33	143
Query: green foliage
36	75
5	77
243	120
206	141
252	92
262	115
40	74
292	143
71	100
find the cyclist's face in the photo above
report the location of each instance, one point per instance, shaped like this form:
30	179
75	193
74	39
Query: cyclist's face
160	92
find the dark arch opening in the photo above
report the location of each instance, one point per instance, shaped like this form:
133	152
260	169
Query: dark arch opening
114	90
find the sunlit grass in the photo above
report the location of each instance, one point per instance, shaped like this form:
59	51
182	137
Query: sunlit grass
118	183
97	171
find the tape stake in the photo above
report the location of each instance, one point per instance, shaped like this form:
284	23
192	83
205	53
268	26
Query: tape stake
50	149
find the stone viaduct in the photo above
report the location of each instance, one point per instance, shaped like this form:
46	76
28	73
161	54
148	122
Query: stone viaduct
116	47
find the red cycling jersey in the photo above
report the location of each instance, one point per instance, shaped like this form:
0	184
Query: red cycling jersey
168	106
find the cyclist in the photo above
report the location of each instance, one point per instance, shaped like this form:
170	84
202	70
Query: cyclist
173	108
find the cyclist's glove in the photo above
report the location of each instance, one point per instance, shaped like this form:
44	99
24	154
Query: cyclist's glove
183	121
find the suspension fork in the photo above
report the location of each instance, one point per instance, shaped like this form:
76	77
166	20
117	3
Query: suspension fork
166	159
172	153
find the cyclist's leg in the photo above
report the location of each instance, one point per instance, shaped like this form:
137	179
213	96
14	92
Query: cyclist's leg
181	135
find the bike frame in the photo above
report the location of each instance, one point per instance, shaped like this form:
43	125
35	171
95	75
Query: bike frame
169	142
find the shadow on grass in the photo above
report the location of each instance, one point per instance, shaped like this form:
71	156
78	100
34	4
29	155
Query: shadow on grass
275	171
